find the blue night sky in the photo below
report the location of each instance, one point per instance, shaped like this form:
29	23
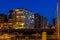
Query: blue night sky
45	8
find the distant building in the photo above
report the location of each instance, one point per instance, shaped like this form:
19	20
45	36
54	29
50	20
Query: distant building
37	20
10	19
2	18
22	18
44	23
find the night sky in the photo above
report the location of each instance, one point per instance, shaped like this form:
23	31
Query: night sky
45	8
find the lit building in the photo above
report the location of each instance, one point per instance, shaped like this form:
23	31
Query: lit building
5	25
22	18
10	19
2	20
40	21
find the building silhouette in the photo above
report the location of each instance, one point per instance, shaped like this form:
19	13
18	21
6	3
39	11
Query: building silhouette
2	18
37	20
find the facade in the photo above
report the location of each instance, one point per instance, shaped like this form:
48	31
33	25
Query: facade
5	25
22	18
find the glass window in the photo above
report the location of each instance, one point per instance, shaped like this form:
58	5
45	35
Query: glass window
20	16
19	12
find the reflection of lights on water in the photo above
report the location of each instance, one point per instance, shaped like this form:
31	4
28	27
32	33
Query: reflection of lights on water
6	36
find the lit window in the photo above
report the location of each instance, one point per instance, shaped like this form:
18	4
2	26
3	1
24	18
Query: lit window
10	23
1	25
19	12
22	16
17	23
21	23
18	17
29	17
19	26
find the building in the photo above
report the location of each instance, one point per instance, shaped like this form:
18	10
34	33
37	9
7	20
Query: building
37	20
44	23
10	19
2	20
21	18
40	21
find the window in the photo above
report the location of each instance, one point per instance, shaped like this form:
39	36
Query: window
19	12
20	16
10	23
16	22
20	23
